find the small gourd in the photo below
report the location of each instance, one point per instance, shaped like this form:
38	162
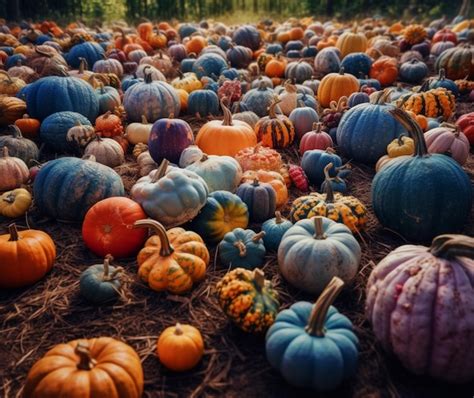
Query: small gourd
274	230
242	248
15	203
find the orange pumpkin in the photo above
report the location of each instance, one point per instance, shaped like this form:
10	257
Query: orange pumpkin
108	125
422	120
296	33
128	48
28	126
196	44
122	40
336	85
183	99
144	30
273	178
158	40
351	42
275	67
385	70
283	37
329	41
259	158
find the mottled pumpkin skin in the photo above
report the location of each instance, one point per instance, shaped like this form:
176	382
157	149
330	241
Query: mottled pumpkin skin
66	188
231	256
260	199
277	132
258	100
327	61
251	307
433	103
298	71
303	119
429	299
274	231
320	363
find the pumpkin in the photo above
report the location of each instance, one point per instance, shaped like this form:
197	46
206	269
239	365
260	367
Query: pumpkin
220	172
258	100
109	98
315	139
23	72
13	171
172	260
298	71
10	85
457	62
327	61
180	347
343	209
80	134
259	158
15	203
437	281
448	139
226	137
138	132
385	70
401	146
273	178
248	299
105	151
441	81
298	177
168	138
288	98
108	125
92	182
275	131
274	230
247	36
170	195
351	42
431	103
441	46
335	86
357	98
414	34
260	199
303	119
101	283
91	52
102	365
242	248
466	123
315	160
28	126
190	155
11	109
239	56
313	346
18	146
357	64
107	228
208	65
248	117
26	257
413	71
434	197
108	66
187	81
203	103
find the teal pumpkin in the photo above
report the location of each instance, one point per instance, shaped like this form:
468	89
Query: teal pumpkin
242	248
327	61
424	195
258	100
315	160
66	188
109	99
442	81
313	346
221	173
260	199
203	103
154	99
101	283
357	64
222	213
53	130
91	52
274	230
307	99
53	94
210	65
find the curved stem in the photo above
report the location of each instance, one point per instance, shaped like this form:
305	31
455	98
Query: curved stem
259	278
256	182
166	248
147	74
13	231
318	228
413	129
258	236
16	132
144	120
227	114
442	74
85	360
161	171
317	127
271	110
451	245
278	217
328	188
317	318
242	248
107	260
4	153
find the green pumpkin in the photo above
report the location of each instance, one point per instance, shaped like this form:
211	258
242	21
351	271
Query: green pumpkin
260	199
242	248
313	346
101	283
222	213
274	230
313	251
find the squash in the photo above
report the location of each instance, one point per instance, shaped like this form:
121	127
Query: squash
420	204
26	257
385	70
259	158
180	347
172	260
335	86
18	146
259	99
315	139
187	81
260	199
101	283
431	103
303	119
13	171
274	230
242	248
28	126
107	228
79	134
466	124
138	132
273	178
106	151
457	62
314	346
248	299
11	109
298	177
315	160
401	146
315	250
327	61
450	140
103	365
417	291
15	203
351	42
170	195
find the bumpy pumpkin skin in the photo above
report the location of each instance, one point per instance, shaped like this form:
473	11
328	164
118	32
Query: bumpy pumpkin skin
259	158
248	299
242	248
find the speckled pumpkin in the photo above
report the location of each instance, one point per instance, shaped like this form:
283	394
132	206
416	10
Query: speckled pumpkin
259	158
431	103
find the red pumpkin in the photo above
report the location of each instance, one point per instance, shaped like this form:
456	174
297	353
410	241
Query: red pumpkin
445	35
316	139
466	123
108	228
298	176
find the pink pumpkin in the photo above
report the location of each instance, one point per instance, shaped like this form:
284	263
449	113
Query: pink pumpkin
448	139
420	302
466	123
315	139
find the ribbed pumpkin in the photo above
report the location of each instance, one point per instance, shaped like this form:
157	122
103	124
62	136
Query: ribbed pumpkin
298	71
92	182
187	81
424	195
336	85
448	139
259	158
13	171
418	291
172	260
18	146
275	131
91	52
260	199
466	123
258	100
351	42
109	98
208	65
315	139
10	85
303	118
274	230
105	151
385	70
248	299
315	160
203	103
28	126
431	103
11	109
248	36
457	62
327	61
273	178
242	248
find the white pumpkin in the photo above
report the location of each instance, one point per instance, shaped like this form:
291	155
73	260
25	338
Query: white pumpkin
288	98
106	151
138	132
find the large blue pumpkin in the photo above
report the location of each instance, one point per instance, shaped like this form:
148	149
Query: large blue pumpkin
366	129
357	64
258	100
152	98
423	196
314	161
66	188
53	130
210	65
56	94
91	52
247	36
203	102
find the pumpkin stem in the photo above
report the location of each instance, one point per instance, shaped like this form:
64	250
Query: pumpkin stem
256	182
144	119
259	278
204	157
166	248
274	103
108	258
341	70
413	129
328	188
178	330
258	236
257	147
160	173
278	217
318	315
401	141
4	153
16	132
227	114
147	74
242	248
82	65
10	198
449	246
317	127
442	74
13	231
86	362
318	228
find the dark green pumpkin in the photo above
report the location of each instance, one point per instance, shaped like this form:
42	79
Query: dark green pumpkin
260	199
203	103
457	62
274	230
18	146
242	248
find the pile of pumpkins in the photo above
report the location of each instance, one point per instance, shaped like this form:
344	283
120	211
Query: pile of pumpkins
330	92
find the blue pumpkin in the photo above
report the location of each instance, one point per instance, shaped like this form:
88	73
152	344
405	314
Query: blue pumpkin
224	42
314	161
357	98
357	64
338	184
130	81
91	52
203	103
41	39
210	65
274	230
53	94
308	100
370	83
109	99
413	71
186	30
7	49
434	122
303	119
101	283
239	56
274	48
210	84
366	129
293	54
258	100
293	45
422	196
14	60
66	188
313	346
247	36
441	81
230	73
53	130
309	51
187	64
242	248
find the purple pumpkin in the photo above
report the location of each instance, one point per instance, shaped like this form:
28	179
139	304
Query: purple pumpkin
420	302
177	52
168	138
239	56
